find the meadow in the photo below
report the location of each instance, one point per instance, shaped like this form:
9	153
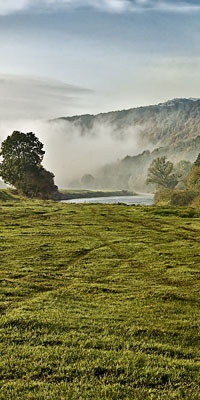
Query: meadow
99	302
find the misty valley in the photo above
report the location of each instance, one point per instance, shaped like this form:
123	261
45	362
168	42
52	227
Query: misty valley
99	276
99	200
113	151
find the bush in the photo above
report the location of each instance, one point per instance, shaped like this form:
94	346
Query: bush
196	202
163	196
182	197
194	179
175	197
39	183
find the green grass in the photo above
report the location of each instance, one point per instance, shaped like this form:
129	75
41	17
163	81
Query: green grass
7	195
99	302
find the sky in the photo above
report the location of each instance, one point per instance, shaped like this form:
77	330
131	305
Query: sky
66	57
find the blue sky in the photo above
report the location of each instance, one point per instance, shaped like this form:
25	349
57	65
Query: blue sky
64	57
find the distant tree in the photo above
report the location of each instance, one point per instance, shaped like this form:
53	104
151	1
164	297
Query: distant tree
182	170
161	173
87	181
22	154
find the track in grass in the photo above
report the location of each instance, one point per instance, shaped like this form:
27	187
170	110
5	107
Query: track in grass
99	302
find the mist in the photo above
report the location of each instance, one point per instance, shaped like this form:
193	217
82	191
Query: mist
71	153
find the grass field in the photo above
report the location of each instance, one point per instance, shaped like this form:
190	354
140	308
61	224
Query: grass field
99	302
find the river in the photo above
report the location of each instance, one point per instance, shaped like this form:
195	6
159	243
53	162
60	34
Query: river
141	199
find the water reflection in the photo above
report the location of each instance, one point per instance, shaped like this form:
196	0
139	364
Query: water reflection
145	200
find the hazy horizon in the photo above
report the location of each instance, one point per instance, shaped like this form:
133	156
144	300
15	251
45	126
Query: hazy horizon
62	58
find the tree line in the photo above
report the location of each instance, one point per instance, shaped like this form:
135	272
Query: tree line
179	184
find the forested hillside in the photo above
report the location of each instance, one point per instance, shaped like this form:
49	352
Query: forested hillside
167	123
171	129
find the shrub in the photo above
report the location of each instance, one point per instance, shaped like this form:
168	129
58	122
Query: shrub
182	197
163	196
194	179
175	197
196	202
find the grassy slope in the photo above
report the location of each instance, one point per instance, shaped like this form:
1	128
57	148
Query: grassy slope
6	195
99	302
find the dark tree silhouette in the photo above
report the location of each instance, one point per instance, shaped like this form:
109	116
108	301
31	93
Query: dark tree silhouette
22	154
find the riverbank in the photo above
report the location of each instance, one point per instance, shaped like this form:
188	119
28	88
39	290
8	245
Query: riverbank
80	194
9	195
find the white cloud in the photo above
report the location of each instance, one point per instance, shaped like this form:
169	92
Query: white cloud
12	6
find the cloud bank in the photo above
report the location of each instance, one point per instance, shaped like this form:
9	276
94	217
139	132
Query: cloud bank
30	97
13	6
69	153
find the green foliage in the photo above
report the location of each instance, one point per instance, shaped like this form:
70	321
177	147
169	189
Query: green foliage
196	202
182	197
187	189
194	179
161	173
175	197
99	302
163	196
20	152
38	182
21	166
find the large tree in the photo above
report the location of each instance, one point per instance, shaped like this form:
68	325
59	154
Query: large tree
22	154
161	173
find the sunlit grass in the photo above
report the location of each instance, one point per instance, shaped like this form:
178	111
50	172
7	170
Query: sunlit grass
99	302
